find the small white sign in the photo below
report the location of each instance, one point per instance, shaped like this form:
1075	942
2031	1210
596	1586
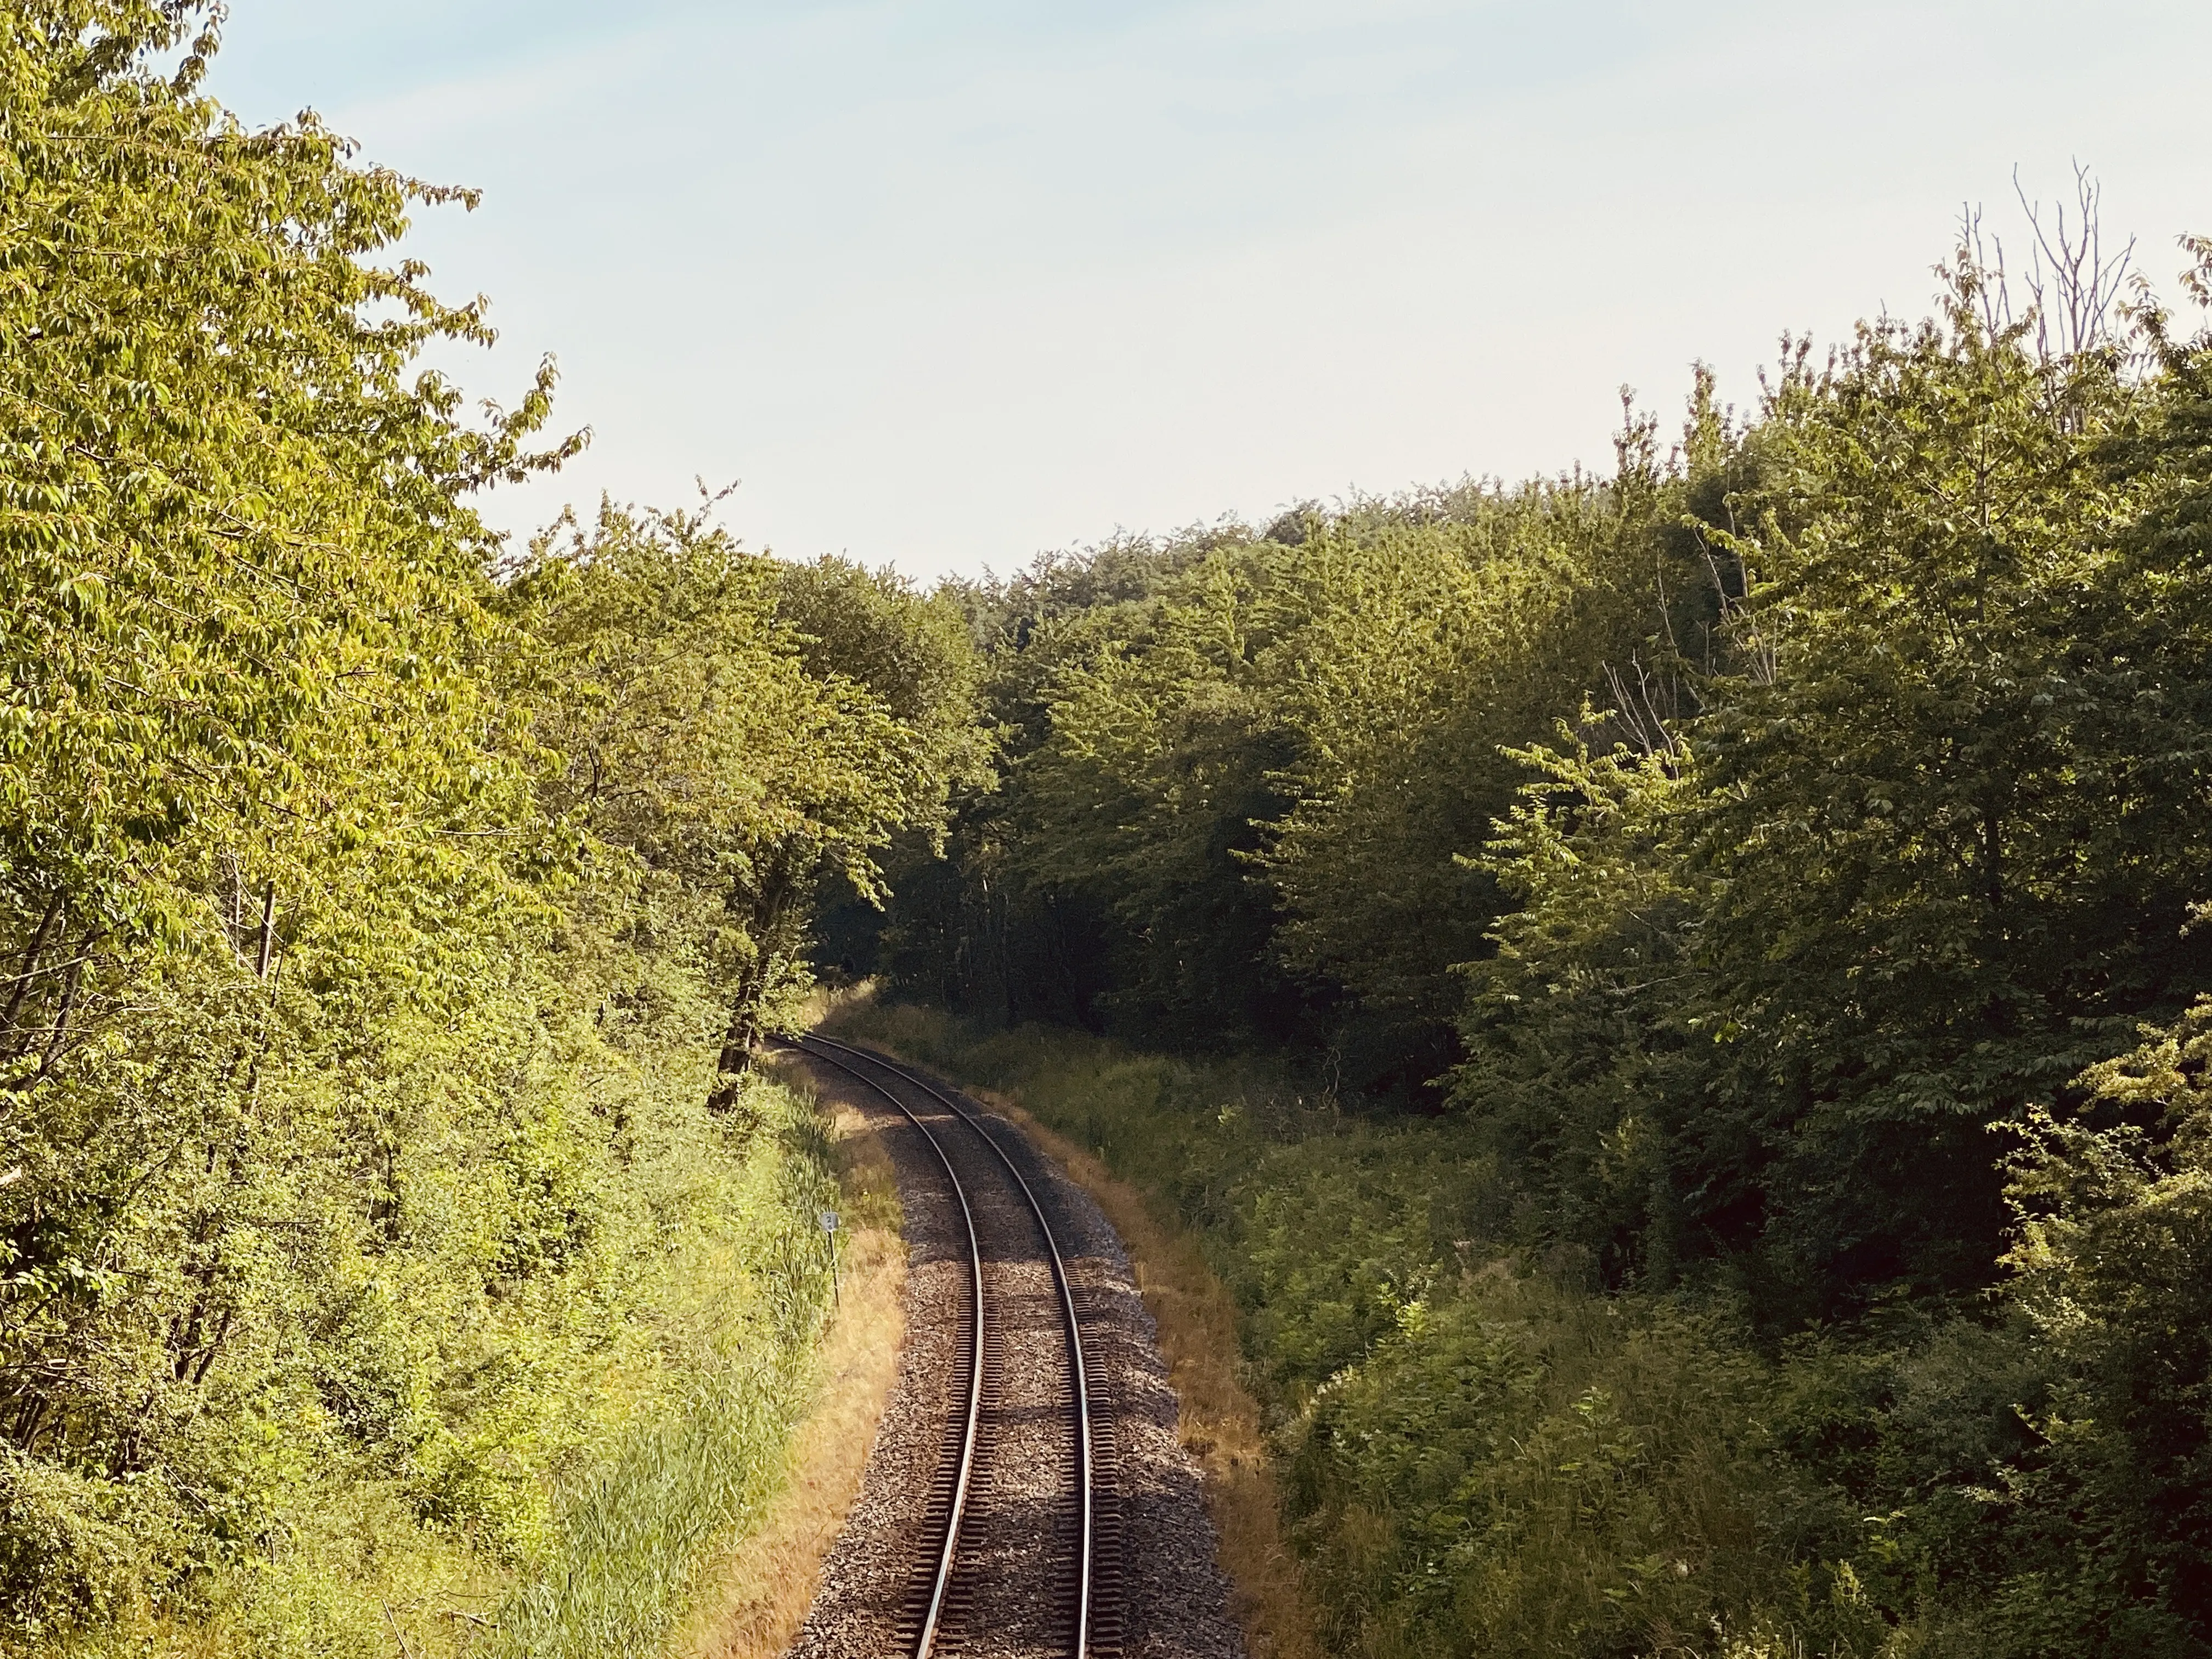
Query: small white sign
828	1219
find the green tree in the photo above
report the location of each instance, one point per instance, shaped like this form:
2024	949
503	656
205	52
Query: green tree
742	729
369	928
1930	905
260	822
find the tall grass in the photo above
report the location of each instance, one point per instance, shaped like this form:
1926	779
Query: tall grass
630	1544
633	1534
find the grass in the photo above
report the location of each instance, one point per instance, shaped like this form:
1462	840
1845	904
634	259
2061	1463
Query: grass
759	1594
645	1544
631	1542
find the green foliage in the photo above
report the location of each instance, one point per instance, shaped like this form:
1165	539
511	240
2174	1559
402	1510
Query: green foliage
731	758
1944	880
2112	1263
1406	655
1249	764
1579	1026
974	922
1142	799
1796	823
1924	852
391	1248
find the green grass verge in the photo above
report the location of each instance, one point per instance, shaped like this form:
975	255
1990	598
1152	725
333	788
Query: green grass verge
623	1564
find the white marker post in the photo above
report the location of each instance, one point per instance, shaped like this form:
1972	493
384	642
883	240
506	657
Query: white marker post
828	1220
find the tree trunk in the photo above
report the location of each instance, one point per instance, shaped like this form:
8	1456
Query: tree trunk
31	961
767	914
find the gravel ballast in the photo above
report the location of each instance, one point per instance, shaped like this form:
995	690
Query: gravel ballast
1162	1592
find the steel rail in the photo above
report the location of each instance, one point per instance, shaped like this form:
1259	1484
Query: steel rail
1066	1304
943	1577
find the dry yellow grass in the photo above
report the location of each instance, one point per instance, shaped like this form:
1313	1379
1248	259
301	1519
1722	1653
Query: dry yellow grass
1216	1420
762	1592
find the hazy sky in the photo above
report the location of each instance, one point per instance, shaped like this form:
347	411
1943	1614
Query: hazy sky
949	283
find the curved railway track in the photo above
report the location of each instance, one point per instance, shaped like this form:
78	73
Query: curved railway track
957	1559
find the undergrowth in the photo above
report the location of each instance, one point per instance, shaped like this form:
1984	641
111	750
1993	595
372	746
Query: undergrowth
608	1436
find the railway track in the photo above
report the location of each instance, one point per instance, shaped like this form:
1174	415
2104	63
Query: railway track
1019	1546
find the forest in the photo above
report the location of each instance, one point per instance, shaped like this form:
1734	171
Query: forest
1722	946
1674	997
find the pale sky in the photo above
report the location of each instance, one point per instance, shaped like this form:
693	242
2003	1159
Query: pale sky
947	284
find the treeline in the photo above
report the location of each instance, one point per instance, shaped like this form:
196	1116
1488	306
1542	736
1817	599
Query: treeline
1782	860
1245	771
384	918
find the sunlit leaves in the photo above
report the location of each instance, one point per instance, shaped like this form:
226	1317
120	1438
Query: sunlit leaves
367	932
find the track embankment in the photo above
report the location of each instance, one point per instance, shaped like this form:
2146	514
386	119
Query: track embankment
1219	1421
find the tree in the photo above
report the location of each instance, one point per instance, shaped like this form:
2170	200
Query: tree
260	817
741	729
